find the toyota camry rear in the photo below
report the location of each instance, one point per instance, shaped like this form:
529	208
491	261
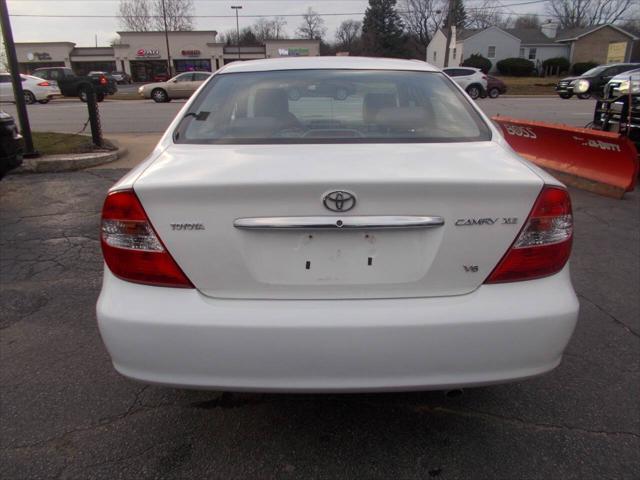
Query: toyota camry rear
335	224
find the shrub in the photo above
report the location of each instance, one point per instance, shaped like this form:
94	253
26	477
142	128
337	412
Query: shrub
581	67
478	61
517	67
556	65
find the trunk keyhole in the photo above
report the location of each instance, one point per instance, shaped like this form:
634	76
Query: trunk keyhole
308	265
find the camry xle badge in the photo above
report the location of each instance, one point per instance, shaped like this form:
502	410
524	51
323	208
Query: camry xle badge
187	226
486	221
339	201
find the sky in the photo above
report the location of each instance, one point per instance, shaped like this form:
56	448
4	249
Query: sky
82	31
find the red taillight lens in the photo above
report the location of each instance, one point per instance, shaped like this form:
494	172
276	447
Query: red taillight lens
130	246
103	80
544	244
44	84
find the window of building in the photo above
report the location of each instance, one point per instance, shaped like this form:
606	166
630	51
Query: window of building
521	52
192	65
532	53
434	56
454	52
491	53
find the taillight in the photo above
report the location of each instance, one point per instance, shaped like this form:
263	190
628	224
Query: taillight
131	248
44	84
544	243
103	80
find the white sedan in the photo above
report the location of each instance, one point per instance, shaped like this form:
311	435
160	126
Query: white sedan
285	237
35	89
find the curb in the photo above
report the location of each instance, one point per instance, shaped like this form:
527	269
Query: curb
68	162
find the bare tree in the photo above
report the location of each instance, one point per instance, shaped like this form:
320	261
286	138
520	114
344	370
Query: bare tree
585	13
486	15
265	29
179	15
422	18
527	21
348	34
135	15
148	15
312	26
278	27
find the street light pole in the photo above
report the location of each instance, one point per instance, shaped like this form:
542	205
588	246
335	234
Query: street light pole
18	93
166	38
236	8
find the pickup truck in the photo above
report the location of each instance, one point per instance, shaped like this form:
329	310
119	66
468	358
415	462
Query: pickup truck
72	85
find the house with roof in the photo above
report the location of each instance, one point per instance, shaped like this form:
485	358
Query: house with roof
599	43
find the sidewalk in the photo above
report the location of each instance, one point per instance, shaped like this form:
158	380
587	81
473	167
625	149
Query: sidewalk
137	145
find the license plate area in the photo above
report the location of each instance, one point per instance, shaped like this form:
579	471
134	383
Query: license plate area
339	257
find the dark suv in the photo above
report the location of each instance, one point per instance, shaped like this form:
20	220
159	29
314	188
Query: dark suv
72	85
591	82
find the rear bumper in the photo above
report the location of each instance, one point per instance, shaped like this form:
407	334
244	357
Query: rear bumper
181	338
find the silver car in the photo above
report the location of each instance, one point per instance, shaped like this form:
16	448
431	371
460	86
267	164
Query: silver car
180	86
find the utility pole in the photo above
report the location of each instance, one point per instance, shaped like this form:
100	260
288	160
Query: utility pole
449	32
166	38
236	8
18	93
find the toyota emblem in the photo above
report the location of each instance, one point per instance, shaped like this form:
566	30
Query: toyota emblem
339	201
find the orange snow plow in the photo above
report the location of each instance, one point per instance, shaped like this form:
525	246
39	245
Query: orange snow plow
598	161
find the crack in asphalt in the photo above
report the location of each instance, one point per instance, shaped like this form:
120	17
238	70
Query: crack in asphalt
522	422
611	316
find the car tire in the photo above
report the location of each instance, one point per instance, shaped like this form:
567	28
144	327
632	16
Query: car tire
82	95
100	97
566	96
29	98
159	95
46	100
584	96
494	92
474	91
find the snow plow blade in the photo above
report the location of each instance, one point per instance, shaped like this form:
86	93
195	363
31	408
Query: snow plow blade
602	162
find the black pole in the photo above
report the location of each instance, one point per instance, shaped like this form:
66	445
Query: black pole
166	38
12	58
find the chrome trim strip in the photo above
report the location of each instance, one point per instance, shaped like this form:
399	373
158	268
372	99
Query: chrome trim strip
369	222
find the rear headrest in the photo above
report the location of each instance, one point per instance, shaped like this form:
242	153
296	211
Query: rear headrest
271	102
374	102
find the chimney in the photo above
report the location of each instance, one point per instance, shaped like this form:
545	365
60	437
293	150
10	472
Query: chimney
549	29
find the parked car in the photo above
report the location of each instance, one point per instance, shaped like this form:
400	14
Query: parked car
388	241
619	109
495	87
471	79
121	77
180	86
72	85
35	89
10	144
591	82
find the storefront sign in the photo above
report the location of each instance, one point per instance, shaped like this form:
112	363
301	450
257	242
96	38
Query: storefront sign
293	52
190	53
148	52
38	56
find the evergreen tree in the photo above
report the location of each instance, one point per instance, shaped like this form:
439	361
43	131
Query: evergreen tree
459	14
383	31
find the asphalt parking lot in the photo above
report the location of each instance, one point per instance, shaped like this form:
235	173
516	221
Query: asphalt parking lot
65	413
146	116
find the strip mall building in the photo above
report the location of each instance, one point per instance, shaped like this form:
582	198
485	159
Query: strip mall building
144	54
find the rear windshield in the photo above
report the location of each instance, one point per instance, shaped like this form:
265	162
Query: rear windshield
330	106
